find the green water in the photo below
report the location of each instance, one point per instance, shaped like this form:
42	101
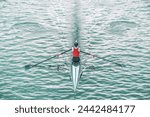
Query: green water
33	30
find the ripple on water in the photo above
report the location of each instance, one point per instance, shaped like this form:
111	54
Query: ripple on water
121	27
28	26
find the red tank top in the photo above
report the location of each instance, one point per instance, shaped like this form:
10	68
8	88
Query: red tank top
75	52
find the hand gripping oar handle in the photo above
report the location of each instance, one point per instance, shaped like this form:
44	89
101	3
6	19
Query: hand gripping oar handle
121	65
30	66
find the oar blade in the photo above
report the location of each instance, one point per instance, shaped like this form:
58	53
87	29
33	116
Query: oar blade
120	65
27	67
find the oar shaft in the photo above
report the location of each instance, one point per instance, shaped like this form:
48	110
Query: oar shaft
121	65
49	58
42	61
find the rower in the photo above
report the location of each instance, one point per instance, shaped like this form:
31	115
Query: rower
75	53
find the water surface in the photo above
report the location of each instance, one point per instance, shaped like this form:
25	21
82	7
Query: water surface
33	30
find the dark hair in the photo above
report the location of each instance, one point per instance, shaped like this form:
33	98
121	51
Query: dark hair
75	44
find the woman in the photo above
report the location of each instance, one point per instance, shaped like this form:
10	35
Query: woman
75	53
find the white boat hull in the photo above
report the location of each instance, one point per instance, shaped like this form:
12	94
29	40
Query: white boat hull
75	74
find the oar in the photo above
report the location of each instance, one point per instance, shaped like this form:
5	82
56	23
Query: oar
121	65
31	66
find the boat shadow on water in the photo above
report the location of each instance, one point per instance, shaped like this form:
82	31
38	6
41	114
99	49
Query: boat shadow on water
62	67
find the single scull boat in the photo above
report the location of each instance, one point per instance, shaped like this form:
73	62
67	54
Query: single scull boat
75	74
